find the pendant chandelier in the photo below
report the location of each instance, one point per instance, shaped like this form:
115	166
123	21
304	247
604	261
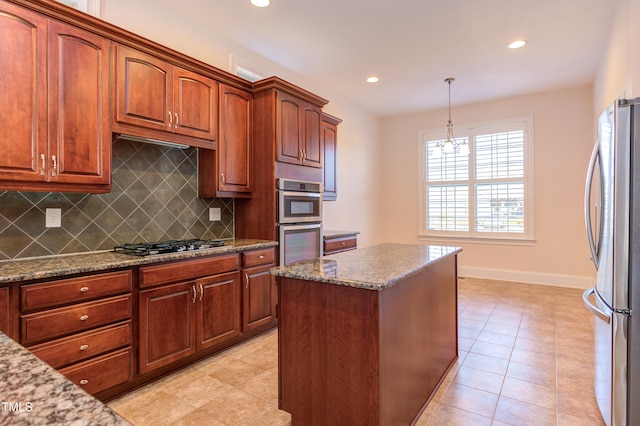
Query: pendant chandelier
449	145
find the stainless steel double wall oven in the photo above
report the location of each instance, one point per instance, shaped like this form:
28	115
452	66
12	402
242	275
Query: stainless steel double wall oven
299	220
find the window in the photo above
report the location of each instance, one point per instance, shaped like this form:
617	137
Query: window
485	194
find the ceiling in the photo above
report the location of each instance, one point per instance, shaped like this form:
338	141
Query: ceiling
413	45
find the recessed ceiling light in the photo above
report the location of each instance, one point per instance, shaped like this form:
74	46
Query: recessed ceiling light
260	3
373	79
517	44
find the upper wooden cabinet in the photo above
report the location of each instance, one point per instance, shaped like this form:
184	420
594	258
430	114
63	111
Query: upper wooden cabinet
298	132
329	165
54	74
154	95
226	172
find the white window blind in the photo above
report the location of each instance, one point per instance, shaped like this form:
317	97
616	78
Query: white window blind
483	194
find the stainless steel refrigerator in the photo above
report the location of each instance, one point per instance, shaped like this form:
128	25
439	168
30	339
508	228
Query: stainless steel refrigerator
612	216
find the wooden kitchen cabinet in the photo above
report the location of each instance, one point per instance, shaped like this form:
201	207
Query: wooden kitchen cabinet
330	152
5	311
178	319
260	292
340	244
156	99
82	326
226	171
299	131
55	95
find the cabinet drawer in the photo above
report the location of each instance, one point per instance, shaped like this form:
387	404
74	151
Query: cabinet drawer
187	270
101	373
340	244
58	322
258	257
79	347
62	292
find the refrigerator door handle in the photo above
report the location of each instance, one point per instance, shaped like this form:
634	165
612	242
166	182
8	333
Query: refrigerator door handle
595	311
587	204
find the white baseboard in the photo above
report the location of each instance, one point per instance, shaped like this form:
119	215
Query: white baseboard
528	277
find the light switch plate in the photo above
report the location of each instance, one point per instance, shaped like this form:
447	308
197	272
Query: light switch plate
53	218
214	214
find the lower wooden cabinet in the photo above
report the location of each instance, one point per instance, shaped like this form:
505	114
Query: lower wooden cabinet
177	320
5	311
337	245
259	297
102	372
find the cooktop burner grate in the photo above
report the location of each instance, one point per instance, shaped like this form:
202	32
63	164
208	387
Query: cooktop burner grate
171	246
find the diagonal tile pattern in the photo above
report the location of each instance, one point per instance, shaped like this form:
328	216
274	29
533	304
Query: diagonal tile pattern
525	358
154	197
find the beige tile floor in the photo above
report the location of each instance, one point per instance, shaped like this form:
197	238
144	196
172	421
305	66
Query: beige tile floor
525	358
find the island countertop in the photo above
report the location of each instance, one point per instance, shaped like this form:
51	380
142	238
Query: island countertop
375	268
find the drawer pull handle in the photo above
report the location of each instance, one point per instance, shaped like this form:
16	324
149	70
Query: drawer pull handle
261	256
84	347
83	289
344	243
44	165
84	381
84	317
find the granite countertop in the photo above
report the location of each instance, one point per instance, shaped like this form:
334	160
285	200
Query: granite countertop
338	234
374	268
33	393
56	266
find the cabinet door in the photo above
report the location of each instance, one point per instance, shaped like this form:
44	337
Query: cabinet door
259	297
167	325
195	101
329	136
78	101
311	142
23	138
5	311
288	113
234	146
143	90
218	309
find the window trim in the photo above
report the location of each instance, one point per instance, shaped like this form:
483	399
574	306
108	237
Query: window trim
468	130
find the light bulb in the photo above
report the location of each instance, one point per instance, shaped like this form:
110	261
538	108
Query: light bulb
448	146
464	148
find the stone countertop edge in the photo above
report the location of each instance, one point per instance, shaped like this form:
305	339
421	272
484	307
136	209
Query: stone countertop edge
338	234
373	268
57	266
33	393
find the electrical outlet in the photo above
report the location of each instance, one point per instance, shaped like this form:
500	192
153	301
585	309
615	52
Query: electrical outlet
53	218
214	214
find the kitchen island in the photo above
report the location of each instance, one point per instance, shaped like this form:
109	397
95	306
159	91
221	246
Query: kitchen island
366	337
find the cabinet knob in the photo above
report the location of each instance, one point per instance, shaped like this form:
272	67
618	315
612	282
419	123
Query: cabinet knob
84	347
84	317
84	381
344	243
83	289
261	256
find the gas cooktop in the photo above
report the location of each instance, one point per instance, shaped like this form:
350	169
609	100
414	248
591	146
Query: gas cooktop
171	246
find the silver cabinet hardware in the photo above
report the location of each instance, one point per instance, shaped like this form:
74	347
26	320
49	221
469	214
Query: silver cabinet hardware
84	347
84	381
193	287
44	164
201	291
177	121
222	179
55	166
170	120
83	289
246	280
84	317
261	256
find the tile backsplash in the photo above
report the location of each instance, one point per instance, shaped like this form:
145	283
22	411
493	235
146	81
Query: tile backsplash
153	198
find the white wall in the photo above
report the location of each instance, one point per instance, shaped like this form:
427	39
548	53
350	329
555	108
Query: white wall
564	135
359	200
